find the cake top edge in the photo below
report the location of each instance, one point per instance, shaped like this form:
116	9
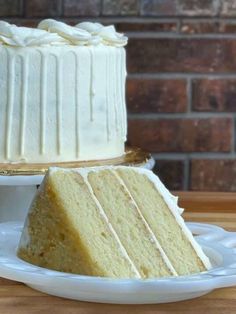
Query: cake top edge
56	33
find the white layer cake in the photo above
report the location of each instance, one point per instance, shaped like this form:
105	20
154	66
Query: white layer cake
62	92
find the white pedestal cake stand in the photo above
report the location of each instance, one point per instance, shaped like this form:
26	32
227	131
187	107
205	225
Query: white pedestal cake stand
17	191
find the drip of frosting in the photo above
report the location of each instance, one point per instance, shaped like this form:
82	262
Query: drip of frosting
13	35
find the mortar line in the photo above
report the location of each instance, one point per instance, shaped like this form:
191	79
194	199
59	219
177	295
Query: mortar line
101	6
180	115
180	75
189	95
178	25
62	9
137	19
194	155
186	174
174	35
233	135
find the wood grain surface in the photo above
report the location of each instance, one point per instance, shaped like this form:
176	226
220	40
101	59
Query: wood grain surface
215	208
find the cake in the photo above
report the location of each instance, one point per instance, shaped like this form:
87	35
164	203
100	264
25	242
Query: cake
118	222
62	92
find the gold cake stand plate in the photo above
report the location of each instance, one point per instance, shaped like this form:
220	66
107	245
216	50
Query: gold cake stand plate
132	157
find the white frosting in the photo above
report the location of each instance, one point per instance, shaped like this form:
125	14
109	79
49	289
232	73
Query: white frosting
85	33
92	28
74	35
171	203
13	35
52	32
107	34
62	103
57	76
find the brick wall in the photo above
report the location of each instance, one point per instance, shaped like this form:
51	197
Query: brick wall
181	89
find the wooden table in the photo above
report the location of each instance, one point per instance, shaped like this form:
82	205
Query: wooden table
215	208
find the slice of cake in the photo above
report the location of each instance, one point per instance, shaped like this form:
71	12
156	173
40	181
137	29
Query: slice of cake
109	221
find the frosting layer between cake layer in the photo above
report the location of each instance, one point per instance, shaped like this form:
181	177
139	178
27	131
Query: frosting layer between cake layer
62	103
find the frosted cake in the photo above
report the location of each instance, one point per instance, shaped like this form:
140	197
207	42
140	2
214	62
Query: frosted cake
62	92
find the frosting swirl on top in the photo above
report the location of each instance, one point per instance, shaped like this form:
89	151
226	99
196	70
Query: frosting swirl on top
52	32
107	34
13	35
73	35
85	33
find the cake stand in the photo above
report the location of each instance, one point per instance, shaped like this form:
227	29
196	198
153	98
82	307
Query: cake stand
18	182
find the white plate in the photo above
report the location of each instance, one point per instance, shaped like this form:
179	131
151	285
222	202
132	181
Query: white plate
217	243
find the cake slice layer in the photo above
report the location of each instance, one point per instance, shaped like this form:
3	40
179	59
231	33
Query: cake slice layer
117	222
166	228
123	214
68	233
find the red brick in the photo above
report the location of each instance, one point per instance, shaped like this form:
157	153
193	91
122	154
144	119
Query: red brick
181	55
146	27
227	27
10	8
156	95
196	27
213	175
198	7
171	172
214	95
82	8
43	8
181	135
120	7
228	8
158	7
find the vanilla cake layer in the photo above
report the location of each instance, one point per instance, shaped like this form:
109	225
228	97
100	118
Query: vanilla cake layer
162	221
123	214
62	93
109	221
67	231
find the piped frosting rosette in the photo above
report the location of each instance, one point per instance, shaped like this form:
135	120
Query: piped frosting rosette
85	33
107	34
72	34
13	35
52	32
